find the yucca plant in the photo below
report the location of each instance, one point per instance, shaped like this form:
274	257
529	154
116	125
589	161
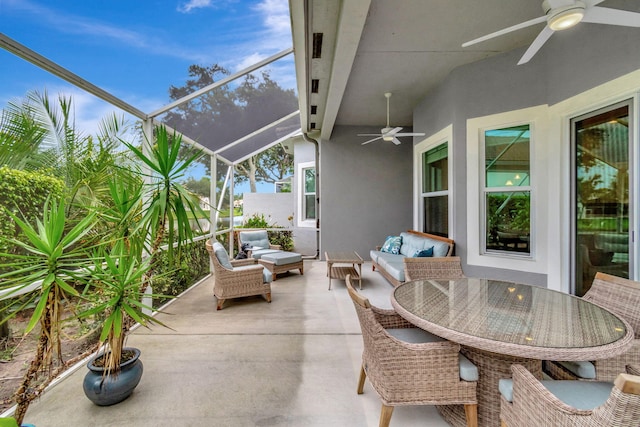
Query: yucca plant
114	289
168	205
54	262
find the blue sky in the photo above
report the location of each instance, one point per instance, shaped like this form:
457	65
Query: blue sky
137	49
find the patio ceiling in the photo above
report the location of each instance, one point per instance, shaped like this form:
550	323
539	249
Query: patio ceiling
370	47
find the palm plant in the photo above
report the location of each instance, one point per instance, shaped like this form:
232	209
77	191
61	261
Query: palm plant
54	257
168	205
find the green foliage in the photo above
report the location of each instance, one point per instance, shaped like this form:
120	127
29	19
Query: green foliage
188	266
256	221
23	193
201	187
283	238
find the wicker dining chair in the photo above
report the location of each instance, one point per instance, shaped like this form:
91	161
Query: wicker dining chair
621	297
237	278
419	369
527	401
433	268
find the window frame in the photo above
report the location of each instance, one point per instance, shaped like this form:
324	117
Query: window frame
537	118
485	191
302	221
444	136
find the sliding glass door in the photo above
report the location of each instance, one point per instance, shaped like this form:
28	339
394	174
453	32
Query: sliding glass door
601	199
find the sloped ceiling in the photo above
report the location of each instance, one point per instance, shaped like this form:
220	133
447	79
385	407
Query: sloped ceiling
405	47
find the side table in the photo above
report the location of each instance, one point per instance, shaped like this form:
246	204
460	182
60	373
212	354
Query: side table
340	272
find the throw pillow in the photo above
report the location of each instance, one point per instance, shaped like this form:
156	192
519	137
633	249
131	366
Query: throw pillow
423	253
392	245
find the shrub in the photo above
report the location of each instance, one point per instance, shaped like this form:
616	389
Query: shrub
23	194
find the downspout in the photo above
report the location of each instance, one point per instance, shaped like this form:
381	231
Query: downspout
317	157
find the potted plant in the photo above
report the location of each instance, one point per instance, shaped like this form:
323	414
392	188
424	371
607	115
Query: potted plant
142	219
115	283
58	253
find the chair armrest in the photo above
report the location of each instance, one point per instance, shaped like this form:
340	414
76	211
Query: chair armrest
527	388
241	262
390	319
633	369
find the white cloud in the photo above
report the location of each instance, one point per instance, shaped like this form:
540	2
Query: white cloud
193	4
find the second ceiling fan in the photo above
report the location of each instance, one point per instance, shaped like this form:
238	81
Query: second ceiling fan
388	133
564	14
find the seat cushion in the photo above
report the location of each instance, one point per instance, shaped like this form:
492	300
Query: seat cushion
282	257
259	253
585	395
468	371
257	239
267	277
394	266
222	256
584	370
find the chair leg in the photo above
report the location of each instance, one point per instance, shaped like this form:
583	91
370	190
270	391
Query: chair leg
471	413
385	415
302	271
503	424
219	305
268	296
363	377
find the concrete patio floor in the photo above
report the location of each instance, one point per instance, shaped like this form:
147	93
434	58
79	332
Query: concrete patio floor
294	362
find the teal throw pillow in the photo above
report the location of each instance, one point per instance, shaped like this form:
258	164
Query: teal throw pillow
423	253
392	245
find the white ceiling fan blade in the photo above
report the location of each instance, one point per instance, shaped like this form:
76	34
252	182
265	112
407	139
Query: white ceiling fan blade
369	134
536	45
591	3
604	15
507	30
396	141
411	134
392	131
371	140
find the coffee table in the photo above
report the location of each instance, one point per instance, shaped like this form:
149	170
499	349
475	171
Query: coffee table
340	272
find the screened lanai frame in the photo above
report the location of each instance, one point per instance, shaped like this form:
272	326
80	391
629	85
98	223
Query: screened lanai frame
229	153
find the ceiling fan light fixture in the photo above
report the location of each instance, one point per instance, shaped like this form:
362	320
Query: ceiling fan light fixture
387	138
566	17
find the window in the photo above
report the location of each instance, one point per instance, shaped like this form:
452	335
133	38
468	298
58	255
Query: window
507	190
434	193
309	199
306	194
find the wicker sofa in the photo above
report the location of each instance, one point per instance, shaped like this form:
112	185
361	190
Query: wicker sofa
391	265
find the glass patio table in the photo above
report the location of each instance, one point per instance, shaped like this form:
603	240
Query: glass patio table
501	323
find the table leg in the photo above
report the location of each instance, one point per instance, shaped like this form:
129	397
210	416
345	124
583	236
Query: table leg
491	368
329	273
360	274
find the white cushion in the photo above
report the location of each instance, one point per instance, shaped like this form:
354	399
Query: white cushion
584	395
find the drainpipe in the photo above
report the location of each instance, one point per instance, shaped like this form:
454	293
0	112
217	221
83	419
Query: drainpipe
317	157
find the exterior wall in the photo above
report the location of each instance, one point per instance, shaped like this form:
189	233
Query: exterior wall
305	238
365	191
566	66
276	207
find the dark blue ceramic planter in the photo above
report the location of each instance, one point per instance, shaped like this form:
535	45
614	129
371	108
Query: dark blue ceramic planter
111	390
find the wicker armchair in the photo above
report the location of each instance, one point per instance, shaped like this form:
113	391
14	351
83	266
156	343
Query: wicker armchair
433	268
621	297
531	403
409	372
236	278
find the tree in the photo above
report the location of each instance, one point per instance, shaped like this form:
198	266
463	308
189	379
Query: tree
226	114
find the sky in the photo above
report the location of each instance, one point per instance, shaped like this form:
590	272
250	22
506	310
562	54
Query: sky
137	49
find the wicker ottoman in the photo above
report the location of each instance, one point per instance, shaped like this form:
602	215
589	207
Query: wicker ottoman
280	262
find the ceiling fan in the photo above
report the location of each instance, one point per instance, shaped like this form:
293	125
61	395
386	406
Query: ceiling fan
563	14
388	133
